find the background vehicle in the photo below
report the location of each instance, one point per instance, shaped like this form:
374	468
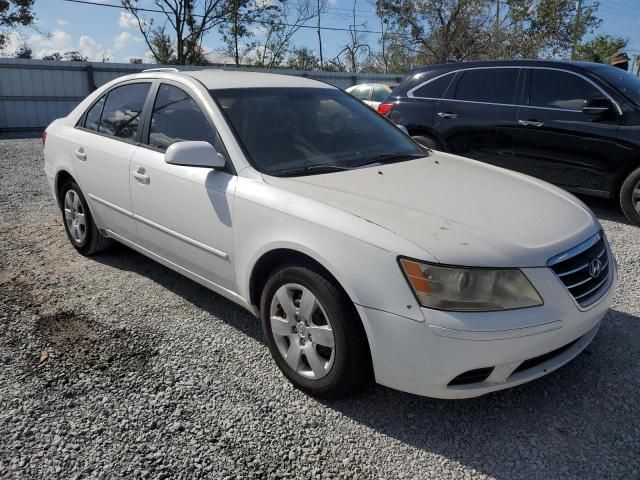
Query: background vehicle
370	93
350	245
574	124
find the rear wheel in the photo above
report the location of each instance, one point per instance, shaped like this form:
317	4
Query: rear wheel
314	333
630	197
78	223
426	141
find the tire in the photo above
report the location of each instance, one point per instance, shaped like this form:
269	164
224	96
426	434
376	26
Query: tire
78	222
427	142
630	197
343	370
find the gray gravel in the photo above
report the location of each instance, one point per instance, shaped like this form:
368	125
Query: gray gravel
116	367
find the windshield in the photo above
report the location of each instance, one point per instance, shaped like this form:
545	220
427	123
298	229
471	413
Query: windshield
300	131
627	84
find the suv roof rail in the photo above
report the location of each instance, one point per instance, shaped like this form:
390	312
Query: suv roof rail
161	69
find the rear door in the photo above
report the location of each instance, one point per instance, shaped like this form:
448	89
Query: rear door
101	146
183	214
559	143
477	115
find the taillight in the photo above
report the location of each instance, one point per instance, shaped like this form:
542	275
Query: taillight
44	138
385	107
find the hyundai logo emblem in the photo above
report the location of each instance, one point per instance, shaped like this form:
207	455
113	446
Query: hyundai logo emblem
595	268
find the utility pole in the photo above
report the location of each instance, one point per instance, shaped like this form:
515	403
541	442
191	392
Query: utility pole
320	39
497	33
575	29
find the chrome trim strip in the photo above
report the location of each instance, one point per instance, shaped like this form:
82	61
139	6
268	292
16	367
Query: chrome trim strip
162	228
410	93
572	252
593	289
184	238
574	270
111	205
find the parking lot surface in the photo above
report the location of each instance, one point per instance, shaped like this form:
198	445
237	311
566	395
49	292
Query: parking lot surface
116	367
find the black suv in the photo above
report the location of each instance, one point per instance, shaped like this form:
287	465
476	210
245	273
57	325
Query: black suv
574	124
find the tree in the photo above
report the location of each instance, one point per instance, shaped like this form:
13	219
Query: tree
24	52
601	48
53	56
190	21
356	50
163	49
236	31
14	14
280	25
303	59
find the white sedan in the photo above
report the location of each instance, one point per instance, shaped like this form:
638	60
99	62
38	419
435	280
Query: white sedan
373	94
365	256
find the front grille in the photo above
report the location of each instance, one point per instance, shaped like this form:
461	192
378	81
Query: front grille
472	376
576	268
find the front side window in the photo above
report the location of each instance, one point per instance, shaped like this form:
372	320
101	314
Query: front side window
300	131
122	110
176	117
489	85
556	89
92	119
435	88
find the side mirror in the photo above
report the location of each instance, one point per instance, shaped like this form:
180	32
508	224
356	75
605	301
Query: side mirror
403	129
194	154
597	106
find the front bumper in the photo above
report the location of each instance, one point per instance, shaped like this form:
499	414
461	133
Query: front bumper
423	358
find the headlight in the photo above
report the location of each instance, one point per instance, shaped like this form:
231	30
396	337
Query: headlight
469	289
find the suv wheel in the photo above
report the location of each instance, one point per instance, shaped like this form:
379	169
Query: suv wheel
313	333
630	197
76	217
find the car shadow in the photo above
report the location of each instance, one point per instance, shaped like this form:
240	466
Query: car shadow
578	422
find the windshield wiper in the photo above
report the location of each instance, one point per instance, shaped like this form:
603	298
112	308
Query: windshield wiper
310	170
387	158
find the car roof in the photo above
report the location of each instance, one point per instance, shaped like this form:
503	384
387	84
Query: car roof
214	79
568	65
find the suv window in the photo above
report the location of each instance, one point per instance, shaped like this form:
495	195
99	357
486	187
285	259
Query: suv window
361	93
490	85
92	119
122	110
379	93
176	117
435	88
556	89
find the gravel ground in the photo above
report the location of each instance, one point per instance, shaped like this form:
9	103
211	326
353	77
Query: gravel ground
116	367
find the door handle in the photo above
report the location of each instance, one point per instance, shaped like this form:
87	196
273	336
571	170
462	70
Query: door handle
80	155
447	115
140	176
530	123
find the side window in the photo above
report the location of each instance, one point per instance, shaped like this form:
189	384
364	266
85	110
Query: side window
435	88
92	119
176	117
361	93
490	85
379	93
122	110
555	89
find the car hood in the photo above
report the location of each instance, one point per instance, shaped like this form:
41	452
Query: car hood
462	212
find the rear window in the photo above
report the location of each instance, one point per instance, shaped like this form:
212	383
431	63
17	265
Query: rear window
122	110
490	85
435	88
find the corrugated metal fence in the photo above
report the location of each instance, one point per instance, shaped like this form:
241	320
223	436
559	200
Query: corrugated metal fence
34	92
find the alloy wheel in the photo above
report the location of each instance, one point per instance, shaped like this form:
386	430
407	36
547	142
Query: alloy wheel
74	217
635	197
302	331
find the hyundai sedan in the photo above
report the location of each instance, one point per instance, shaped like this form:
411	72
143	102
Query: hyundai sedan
365	256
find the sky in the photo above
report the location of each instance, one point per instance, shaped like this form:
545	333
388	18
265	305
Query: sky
99	31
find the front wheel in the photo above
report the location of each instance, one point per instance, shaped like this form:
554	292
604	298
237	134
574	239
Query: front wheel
630	197
313	332
78	222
